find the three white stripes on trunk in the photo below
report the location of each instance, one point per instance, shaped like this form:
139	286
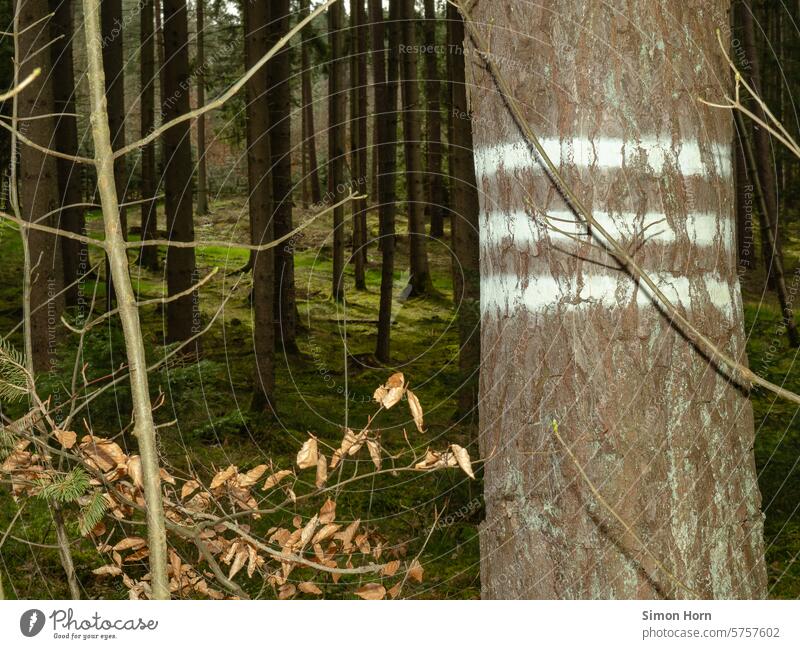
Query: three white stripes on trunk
507	293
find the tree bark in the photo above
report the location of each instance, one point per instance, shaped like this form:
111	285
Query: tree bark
144	427
279	94
183	314
148	256
75	254
256	21
433	125
309	132
420	280
653	432
358	136
463	222
336	116
385	100
202	181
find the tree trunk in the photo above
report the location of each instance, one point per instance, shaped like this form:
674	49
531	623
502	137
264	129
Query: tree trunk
278	76
256	22
433	125
183	314
38	185
75	255
148	256
358	136
654	434
463	222
144	427
309	137
745	243
202	183
336	110
412	139
385	100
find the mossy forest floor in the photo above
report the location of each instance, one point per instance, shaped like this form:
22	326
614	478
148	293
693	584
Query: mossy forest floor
210	400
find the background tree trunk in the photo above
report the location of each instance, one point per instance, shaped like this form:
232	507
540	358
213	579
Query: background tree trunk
256	26
665	438
278	76
309	132
433	124
358	136
75	254
412	140
148	256
183	314
202	182
463	221
336	111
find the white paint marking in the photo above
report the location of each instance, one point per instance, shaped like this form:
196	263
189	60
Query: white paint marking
507	293
702	228
608	153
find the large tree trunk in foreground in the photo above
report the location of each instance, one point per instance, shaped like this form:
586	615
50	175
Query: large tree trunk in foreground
336	110
75	253
412	141
183	314
148	256
256	20
280	98
202	181
463	221
664	438
386	149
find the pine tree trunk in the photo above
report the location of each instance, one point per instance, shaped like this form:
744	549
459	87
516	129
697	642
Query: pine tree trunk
202	182
463	222
745	243
412	139
336	117
148	256
358	136
75	254
183	314
309	138
256	25
385	100
651	428
433	125
278	76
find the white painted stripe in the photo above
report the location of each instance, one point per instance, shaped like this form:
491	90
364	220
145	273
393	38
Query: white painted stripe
608	153
702	228
507	293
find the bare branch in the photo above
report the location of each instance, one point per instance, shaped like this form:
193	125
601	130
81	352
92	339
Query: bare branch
21	85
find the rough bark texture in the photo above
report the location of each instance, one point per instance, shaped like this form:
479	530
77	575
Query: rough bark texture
256	17
412	143
148	257
38	183
358	136
385	91
464	221
280	98
745	243
309	132
663	436
202	182
183	314
75	254
433	125
336	116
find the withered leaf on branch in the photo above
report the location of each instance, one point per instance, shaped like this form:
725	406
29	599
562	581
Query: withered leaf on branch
308	454
189	487
107	571
462	457
391	392
327	513
130	543
135	470
390	568
66	438
322	472
371	591
102	453
223	476
309	588
375	452
415	571
252	476
275	478
416	409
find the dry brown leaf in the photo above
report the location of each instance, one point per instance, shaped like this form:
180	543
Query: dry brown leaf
322	472
308	455
138	555
107	571
396	380
223	476
346	537
252	476
415	571
391	392
394	591
102	453
327	513
416	409
238	562
66	438
390	568
325	532
189	487
130	543
374	452
135	471
286	591
371	591
308	531
309	588
462	457
165	476
275	478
